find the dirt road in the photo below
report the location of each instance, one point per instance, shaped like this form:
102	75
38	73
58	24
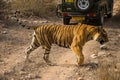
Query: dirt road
15	39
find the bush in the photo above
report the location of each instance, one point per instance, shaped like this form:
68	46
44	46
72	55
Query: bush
2	5
3	9
41	8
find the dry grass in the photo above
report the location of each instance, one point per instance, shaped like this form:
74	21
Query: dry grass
109	70
3	4
3	9
41	8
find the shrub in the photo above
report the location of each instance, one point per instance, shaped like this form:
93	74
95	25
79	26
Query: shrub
3	9
2	5
41	8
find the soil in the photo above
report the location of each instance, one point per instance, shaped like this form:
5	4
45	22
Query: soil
15	39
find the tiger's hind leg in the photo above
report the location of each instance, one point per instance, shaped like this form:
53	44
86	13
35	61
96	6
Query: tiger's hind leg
28	51
46	56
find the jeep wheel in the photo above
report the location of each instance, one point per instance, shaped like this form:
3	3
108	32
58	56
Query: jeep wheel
109	15
66	20
100	20
83	5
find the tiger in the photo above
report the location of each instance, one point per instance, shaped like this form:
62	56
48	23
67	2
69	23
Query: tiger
67	36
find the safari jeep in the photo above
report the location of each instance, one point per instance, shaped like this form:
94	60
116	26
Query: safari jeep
85	10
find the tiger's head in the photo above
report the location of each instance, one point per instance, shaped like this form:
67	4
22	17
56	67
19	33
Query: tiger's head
100	35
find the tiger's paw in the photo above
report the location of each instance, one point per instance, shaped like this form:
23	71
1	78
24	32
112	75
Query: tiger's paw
80	61
79	64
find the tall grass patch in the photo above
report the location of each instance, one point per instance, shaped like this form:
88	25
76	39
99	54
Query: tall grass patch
109	70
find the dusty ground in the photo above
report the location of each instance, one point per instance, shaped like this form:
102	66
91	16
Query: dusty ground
15	39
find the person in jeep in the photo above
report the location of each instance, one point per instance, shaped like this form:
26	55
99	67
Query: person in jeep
85	10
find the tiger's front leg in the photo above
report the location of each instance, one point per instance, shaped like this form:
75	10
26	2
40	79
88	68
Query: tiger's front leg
78	51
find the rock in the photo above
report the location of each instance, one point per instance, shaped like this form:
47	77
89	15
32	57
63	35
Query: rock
8	72
1	63
80	78
94	56
88	68
29	76
77	73
103	47
102	53
32	76
119	35
12	79
4	32
22	72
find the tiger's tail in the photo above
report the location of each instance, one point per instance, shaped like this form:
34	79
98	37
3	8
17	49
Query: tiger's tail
29	24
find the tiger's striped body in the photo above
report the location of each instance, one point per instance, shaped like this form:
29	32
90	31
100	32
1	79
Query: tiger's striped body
51	34
73	37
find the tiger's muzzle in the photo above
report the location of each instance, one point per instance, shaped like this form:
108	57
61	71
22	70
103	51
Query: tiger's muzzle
102	42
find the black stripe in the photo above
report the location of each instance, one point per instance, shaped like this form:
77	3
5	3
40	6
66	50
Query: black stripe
45	36
41	34
36	41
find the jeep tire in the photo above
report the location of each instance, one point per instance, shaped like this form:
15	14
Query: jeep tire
83	5
66	20
109	15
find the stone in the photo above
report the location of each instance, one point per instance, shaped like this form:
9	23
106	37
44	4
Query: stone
4	32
